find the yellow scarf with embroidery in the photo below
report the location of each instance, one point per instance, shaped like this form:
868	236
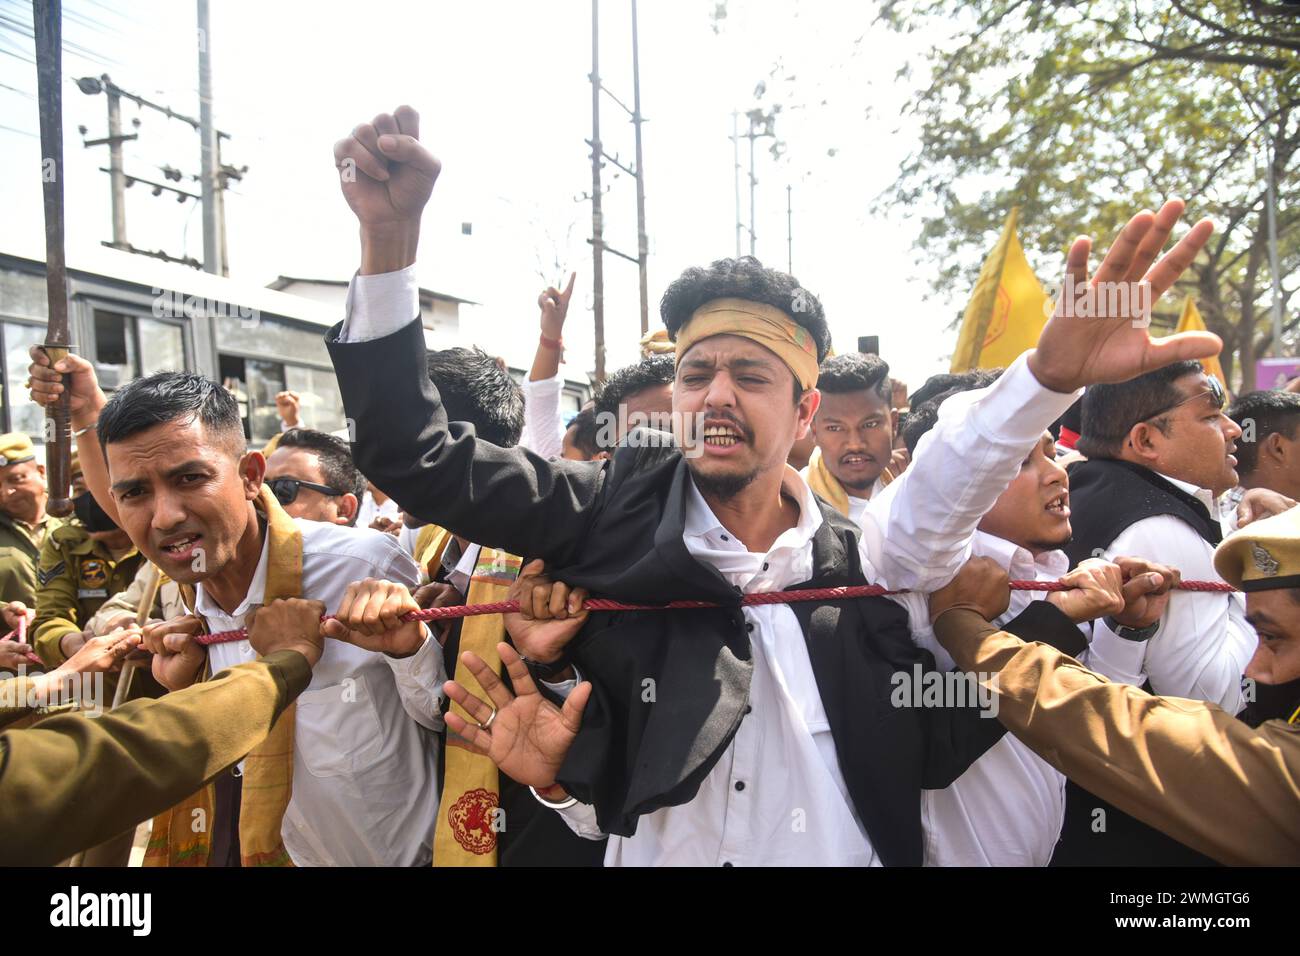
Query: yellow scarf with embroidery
182	835
827	486
469	814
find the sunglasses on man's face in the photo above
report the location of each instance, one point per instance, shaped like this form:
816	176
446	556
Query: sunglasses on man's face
1214	389
286	489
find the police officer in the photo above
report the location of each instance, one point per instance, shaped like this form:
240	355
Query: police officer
23	521
82	564
1225	785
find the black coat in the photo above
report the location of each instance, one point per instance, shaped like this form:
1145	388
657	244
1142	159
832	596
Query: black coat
616	527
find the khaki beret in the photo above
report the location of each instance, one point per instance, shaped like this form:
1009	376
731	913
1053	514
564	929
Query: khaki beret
15	448
1264	555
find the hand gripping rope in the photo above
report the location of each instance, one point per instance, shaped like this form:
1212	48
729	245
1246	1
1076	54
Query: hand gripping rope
747	600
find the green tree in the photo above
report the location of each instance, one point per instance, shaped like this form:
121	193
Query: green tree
1083	112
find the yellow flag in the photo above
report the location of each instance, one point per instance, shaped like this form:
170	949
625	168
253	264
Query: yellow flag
1006	312
1191	321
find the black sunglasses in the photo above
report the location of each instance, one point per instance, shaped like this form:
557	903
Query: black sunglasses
286	489
1215	391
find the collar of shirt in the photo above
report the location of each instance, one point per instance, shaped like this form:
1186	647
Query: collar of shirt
788	561
1200	494
254	597
1020	562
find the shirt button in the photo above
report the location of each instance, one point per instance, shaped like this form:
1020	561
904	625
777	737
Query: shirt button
725	538
740	785
749	626
764	565
728	863
749	708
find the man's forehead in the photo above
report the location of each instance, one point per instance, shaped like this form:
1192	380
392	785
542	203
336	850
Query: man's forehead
856	404
723	349
293	463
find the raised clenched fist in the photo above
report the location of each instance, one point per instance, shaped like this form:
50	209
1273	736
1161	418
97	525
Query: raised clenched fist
387	176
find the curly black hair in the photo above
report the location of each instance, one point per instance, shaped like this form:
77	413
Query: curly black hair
1271	411
631	379
744	278
855	372
923	415
475	389
584	431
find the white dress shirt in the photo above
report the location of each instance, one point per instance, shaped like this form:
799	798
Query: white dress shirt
543	429
365	745
369	509
1204	641
797	812
916	534
1007	809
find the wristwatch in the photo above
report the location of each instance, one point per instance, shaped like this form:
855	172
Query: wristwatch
1135	634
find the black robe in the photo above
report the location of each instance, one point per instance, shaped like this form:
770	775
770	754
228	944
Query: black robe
616	528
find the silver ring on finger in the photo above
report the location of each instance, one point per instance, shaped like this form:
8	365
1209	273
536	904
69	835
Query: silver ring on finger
488	724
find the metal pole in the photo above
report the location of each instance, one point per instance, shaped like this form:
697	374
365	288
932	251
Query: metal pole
752	183
208	149
642	245
219	195
1272	259
735	152
789	235
597	240
117	178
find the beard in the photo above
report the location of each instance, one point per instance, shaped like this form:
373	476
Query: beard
725	486
1039	547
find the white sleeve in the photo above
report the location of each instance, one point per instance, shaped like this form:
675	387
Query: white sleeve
419	677
580	818
1113	657
1204	642
543	430
379	305
565	687
917	532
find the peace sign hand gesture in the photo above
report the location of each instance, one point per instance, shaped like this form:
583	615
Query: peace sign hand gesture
525	735
555	307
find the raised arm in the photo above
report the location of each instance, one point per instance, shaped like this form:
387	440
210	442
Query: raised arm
503	498
917	532
543	429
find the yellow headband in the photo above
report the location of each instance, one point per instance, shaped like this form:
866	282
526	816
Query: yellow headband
765	324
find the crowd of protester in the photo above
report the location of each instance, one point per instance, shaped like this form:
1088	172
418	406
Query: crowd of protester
1111	717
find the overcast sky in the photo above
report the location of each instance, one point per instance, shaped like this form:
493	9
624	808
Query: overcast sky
505	103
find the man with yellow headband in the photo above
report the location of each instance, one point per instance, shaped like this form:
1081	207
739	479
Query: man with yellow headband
727	735
1226	786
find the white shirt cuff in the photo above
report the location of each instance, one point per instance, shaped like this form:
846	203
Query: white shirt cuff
565	687
1121	661
543	386
419	679
379	305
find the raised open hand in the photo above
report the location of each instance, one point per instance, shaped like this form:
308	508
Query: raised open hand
526	736
1111	343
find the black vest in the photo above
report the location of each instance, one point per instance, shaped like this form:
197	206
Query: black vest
1109	496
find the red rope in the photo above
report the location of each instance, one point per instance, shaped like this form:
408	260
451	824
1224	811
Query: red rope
746	600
